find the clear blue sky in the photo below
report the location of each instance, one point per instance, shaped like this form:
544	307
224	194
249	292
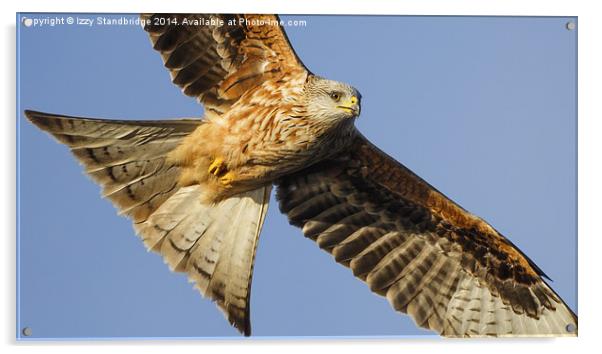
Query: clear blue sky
483	108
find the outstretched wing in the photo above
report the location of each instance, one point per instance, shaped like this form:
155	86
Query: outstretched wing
448	269
217	58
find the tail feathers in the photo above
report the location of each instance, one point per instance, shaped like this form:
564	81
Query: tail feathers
213	243
127	158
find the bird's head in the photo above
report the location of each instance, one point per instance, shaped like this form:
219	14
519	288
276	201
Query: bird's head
331	101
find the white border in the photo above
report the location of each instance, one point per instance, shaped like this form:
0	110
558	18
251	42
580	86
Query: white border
590	95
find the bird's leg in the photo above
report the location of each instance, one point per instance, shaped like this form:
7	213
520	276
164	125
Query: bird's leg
217	166
218	169
227	179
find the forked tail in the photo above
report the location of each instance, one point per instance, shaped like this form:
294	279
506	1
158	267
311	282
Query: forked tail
214	244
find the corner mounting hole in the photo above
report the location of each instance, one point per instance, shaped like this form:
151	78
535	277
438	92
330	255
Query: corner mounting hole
570	25
570	328
26	331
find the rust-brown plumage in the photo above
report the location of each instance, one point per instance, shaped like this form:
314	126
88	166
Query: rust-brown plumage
197	191
450	270
252	87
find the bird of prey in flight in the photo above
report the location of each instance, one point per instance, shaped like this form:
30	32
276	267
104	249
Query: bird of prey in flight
197	190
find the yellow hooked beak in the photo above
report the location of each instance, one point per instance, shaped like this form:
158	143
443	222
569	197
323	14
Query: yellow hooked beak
352	105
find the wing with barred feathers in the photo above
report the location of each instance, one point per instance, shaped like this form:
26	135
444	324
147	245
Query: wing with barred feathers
448	269
218	58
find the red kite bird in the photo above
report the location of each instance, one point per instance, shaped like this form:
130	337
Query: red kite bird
197	191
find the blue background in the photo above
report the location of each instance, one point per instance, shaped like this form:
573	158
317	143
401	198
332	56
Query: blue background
483	108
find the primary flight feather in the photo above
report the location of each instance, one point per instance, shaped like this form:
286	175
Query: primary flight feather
197	191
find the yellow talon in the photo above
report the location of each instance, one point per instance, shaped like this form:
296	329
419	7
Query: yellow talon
216	166
227	179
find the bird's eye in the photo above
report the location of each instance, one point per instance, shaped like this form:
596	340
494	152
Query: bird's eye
335	96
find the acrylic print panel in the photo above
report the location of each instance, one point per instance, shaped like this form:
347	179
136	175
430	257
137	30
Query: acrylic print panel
483	108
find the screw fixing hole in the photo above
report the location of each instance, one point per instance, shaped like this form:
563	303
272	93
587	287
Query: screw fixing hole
26	331
570	328
570	25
